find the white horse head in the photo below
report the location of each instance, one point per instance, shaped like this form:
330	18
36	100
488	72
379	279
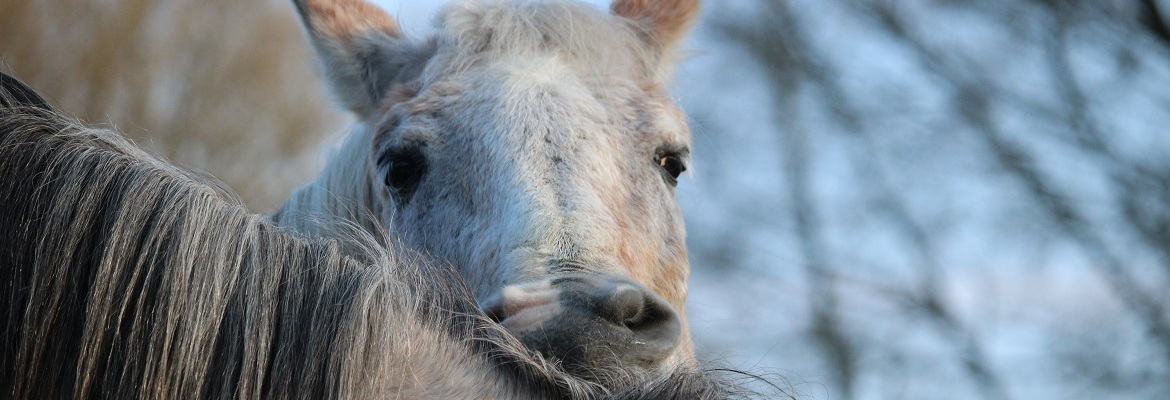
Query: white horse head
533	146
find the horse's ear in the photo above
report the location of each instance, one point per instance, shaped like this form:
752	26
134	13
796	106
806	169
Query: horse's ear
14	94
663	22
361	49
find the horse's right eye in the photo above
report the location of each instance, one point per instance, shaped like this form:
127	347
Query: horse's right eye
404	168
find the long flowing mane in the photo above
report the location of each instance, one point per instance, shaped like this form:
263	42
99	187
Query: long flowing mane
124	276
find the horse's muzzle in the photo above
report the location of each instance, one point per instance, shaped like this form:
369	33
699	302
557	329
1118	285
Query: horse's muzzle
590	323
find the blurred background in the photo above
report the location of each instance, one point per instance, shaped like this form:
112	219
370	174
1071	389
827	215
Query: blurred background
891	199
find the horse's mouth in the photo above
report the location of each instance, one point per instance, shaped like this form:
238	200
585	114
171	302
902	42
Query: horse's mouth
589	321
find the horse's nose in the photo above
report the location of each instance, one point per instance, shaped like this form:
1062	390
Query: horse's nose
632	307
591	321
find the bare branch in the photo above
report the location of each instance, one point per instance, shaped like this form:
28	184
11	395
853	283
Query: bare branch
972	101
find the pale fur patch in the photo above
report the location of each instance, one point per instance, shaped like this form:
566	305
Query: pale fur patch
519	297
530	318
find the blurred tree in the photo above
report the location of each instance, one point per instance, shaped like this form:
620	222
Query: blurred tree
222	86
917	108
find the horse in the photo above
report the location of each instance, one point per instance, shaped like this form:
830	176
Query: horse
533	146
500	223
125	276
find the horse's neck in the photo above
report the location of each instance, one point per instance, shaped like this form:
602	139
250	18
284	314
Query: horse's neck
342	194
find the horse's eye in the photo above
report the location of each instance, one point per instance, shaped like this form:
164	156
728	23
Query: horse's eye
404	168
672	164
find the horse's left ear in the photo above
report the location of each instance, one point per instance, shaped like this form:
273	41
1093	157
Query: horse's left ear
663	22
362	50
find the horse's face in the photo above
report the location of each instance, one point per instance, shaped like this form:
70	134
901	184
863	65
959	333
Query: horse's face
534	148
553	194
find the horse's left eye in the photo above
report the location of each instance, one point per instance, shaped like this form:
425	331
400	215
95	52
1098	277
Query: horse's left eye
404	168
672	164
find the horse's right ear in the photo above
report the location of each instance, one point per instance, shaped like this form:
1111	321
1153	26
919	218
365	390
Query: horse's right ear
361	50
14	93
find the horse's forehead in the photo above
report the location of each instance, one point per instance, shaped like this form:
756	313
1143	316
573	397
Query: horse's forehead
473	32
540	87
540	95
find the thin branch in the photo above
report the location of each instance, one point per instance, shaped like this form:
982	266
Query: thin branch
783	48
1132	179
974	107
777	47
809	63
1155	21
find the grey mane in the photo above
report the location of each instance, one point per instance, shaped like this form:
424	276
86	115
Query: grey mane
124	276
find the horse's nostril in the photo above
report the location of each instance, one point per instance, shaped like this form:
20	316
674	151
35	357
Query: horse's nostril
623	306
638	310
